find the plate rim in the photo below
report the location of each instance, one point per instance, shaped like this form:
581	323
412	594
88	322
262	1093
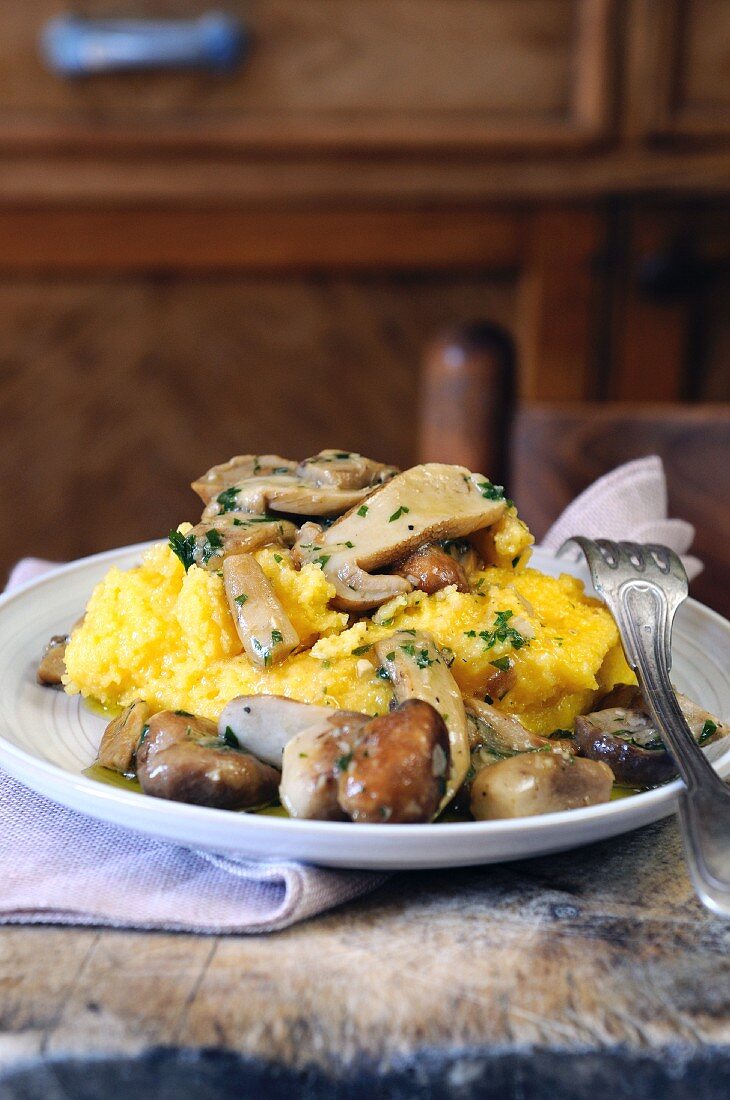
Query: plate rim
645	802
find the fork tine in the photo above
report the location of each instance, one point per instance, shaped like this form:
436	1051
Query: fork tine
609	551
667	561
633	555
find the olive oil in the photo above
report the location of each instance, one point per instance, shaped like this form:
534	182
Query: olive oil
112	778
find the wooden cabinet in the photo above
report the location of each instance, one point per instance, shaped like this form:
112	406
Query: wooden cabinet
194	264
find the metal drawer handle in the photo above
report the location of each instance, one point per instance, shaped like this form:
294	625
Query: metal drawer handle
74	46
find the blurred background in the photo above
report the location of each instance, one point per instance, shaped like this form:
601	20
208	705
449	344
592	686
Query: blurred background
251	243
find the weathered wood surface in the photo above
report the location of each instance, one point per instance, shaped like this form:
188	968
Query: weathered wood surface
576	972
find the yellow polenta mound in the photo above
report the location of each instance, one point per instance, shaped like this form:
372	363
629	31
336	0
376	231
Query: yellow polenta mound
165	636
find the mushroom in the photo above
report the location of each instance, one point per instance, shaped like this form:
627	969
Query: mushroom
344	470
239	468
625	737
52	666
424	504
431	568
182	758
538	783
311	764
262	624
208	544
397	769
122	736
283	493
390	768
264	724
504	734
418	671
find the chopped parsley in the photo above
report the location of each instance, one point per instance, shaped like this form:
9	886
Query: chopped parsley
420	656
363	510
212	545
183	547
708	730
278	559
276	637
229	738
228	499
343	762
183	713
262	650
501	633
402	511
502	663
362	649
493	492
322	560
240	600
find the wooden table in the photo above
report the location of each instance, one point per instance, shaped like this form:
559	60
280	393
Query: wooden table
589	974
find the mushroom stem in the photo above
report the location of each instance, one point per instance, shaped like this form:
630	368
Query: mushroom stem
262	623
414	664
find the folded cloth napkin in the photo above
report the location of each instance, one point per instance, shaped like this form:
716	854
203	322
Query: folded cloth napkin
60	867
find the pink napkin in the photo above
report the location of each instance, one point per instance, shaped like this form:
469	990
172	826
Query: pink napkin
60	867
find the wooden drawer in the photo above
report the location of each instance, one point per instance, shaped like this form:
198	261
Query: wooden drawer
679	67
393	73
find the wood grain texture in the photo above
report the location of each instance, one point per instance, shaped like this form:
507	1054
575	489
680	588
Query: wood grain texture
333	73
603	950
558	451
117	393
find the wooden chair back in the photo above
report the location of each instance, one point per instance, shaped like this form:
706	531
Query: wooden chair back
548	453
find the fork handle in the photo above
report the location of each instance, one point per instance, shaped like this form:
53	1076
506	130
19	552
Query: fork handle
645	621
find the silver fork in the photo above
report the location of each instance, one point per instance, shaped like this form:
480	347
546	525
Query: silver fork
643	585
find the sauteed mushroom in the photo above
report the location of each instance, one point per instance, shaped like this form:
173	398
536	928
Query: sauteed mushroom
264	724
538	783
626	738
237	469
261	622
208	544
424	504
431	568
182	758
122	736
52	665
386	769
344	470
418	671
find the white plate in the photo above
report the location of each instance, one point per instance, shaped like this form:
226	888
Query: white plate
47	739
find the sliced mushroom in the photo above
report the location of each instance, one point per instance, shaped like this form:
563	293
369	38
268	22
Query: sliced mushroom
283	493
430	568
262	624
397	769
237	469
418	671
386	769
344	470
215	540
122	736
538	783
626	738
424	504
52	666
182	758
264	724
505	734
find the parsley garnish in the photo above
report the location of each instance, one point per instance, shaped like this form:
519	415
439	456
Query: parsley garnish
276	637
493	492
240	600
502	663
402	511
708	729
363	510
501	632
183	547
213	543
278	558
322	561
227	499
362	649
343	762
230	739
